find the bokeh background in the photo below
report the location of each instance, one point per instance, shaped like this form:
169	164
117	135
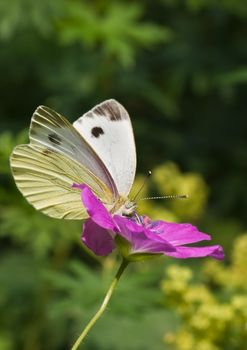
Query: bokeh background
180	69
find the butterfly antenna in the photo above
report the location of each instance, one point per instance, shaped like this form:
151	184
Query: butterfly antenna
173	196
143	185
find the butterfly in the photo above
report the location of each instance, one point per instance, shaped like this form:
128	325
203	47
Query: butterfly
97	150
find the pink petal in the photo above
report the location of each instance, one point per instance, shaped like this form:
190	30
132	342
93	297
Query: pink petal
131	225
97	238
180	234
96	210
140	238
215	251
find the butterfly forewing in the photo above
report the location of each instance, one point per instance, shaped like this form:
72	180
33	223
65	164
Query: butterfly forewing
52	131
107	128
45	178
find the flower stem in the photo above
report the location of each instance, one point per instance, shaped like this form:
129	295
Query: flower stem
103	306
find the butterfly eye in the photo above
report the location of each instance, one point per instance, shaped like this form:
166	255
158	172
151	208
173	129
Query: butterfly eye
54	138
97	131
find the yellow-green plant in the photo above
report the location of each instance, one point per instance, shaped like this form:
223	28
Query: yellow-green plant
213	311
167	179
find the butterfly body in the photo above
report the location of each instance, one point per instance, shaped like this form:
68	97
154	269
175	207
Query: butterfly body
97	150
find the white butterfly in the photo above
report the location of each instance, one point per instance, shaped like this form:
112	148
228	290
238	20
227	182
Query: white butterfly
97	150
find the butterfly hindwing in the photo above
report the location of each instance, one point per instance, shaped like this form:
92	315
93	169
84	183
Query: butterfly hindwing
107	128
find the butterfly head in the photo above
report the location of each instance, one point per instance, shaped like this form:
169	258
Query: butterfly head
129	208
124	207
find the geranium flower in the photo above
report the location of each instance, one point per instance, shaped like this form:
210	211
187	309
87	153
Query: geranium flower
138	236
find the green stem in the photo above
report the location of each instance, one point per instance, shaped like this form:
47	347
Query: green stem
103	306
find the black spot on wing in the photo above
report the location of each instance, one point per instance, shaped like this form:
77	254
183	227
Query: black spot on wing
97	131
54	138
110	109
89	115
47	152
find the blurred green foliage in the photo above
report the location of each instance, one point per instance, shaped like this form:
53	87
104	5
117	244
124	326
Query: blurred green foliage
179	67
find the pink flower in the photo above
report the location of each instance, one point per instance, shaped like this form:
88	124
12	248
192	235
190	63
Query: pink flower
138	236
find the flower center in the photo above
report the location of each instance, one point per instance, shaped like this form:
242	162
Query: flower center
153	226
